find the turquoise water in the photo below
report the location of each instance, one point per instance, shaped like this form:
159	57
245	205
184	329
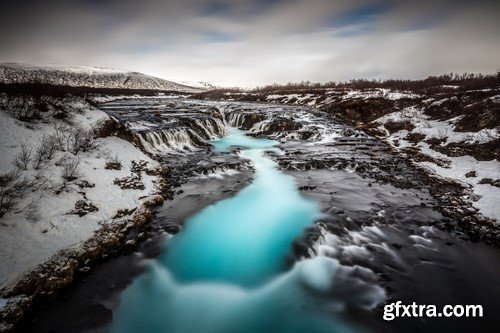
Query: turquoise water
237	138
226	272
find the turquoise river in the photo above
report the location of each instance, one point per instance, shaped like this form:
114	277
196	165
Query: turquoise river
226	270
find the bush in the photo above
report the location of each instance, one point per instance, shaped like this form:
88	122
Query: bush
23	159
113	163
71	168
465	81
32	108
81	139
74	139
105	128
12	188
44	151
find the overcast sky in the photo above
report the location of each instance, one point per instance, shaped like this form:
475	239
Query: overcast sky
245	42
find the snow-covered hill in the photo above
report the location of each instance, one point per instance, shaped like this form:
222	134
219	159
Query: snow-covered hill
82	76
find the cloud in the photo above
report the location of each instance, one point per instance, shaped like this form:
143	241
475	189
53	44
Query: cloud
243	42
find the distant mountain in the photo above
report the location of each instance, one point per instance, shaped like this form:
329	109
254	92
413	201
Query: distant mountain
198	84
83	76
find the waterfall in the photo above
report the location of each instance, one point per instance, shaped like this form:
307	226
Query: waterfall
234	119
170	140
183	139
261	126
210	129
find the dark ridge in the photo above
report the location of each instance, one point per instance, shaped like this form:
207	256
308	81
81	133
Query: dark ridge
41	89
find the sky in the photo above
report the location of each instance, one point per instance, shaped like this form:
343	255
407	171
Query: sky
256	42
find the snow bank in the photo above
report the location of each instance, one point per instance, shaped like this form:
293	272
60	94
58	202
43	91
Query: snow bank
41	223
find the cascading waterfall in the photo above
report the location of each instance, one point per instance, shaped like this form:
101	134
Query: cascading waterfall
211	129
169	140
322	134
184	139
235	119
261	126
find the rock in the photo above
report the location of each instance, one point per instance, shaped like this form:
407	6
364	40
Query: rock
83	207
84	184
130	182
490	182
471	174
142	217
130	245
251	119
172	229
139	166
13	311
282	124
124	212
84	269
154	201
307	188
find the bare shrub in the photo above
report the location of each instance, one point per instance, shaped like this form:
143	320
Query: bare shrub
44	151
23	159
113	163
61	137
12	188
29	106
71	168
21	107
81	139
74	139
465	81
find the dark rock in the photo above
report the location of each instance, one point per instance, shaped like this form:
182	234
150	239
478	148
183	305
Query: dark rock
471	174
124	212
281	124
154	201
307	188
84	184
130	182
490	182
139	166
83	207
